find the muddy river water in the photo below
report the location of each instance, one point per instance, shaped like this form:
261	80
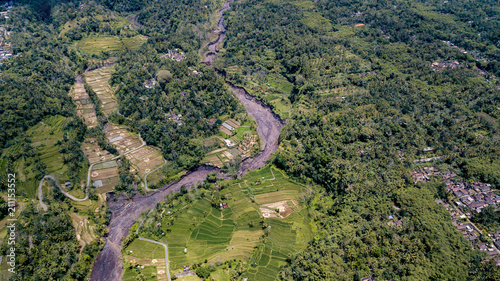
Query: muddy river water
125	211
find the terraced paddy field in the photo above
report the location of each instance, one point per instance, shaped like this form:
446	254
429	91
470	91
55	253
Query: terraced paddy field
98	81
122	139
104	170
145	159
84	231
113	44
84	106
44	138
93	151
98	44
199	229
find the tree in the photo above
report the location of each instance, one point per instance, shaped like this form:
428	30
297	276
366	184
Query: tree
163	76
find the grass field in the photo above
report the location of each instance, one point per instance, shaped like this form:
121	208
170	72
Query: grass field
113	44
197	230
132	43
145	250
149	273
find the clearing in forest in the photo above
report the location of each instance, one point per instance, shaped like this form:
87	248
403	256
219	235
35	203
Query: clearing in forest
98	80
84	231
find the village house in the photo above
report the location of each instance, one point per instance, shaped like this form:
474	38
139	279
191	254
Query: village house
149	84
177	118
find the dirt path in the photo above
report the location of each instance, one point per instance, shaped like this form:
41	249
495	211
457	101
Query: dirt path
125	211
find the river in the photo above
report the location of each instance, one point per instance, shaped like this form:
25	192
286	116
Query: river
125	211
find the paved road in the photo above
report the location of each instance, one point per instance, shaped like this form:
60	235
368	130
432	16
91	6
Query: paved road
156	242
125	210
40	198
166	254
146	177
40	191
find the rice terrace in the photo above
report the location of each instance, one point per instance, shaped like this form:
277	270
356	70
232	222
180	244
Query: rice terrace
258	220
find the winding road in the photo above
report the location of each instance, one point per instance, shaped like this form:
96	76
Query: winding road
40	189
125	211
146	177
156	242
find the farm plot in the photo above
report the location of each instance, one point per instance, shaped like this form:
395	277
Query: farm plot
44	139
105	179
123	140
135	42
134	264
201	231
234	140
142	159
97	44
84	106
84	231
93	151
285	237
98	81
229	127
145	159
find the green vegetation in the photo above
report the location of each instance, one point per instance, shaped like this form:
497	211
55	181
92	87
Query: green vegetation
196	98
38	257
199	232
51	147
96	45
366	86
371	89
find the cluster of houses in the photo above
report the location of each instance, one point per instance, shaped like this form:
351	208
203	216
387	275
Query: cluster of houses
229	143
177	118
223	205
6	8
475	54
195	72
424	174
471	232
5	50
469	198
442	65
475	196
176	55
